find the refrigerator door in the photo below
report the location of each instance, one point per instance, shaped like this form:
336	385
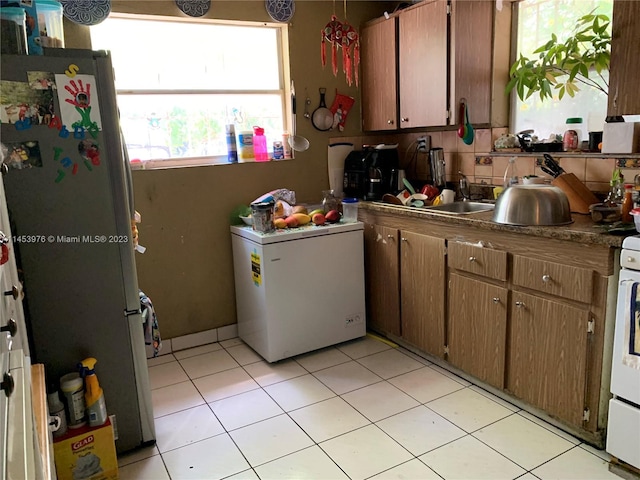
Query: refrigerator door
72	225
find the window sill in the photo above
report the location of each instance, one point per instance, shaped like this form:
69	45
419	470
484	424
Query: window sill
511	153
188	162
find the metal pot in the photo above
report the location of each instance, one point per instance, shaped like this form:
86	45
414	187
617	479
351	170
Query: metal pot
532	205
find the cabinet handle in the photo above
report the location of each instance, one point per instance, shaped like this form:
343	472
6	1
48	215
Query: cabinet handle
404	239
7	384
631	259
546	278
520	304
389	122
14	292
391	236
404	119
472	259
11	327
4	169
496	300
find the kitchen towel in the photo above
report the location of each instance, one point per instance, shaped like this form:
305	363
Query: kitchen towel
150	324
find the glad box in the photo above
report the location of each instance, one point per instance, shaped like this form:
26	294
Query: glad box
86	452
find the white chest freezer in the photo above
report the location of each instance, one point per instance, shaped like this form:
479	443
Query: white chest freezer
299	290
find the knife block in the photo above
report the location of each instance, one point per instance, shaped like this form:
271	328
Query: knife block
580	197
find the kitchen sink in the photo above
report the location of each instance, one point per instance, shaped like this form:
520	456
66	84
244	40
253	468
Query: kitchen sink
462	208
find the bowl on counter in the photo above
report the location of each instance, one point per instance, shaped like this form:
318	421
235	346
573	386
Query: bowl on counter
247	220
532	205
605	213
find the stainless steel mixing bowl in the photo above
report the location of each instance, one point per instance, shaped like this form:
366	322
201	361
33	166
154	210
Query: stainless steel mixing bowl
532	205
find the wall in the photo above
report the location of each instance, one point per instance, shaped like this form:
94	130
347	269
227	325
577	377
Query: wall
187	268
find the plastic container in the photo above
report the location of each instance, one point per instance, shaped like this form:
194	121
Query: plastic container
13	31
72	387
56	410
245	141
573	135
278	150
232	149
635	213
285	144
260	151
94	396
50	23
263	214
349	210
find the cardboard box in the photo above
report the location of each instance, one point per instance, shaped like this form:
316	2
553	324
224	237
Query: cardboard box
87	453
621	137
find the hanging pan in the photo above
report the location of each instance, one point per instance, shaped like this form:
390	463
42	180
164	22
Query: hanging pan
322	117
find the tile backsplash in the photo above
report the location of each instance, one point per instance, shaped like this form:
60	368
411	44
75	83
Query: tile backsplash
480	165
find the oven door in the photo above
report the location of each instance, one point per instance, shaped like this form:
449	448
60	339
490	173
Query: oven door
625	370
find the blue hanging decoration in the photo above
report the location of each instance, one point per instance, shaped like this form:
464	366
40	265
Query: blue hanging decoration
194	8
86	12
280	10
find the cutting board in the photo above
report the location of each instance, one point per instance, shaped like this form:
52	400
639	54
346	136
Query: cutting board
580	197
337	152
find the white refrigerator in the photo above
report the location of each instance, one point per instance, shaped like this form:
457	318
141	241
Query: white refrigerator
299	290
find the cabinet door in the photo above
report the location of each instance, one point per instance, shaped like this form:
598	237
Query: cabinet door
547	355
477	328
423	65
379	92
624	71
472	51
422	281
382	279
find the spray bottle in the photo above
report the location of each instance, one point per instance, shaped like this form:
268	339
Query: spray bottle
93	397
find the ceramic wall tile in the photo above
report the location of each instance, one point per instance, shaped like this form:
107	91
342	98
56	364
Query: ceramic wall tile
484	159
575	165
483	171
525	165
463	147
498	181
500	166
629	174
467	163
483	180
628	162
436	139
496	132
483	142
195	339
450	141
599	187
599	169
451	163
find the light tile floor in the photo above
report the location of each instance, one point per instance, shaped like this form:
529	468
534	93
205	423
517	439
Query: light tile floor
361	409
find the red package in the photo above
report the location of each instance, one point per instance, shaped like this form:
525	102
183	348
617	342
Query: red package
340	109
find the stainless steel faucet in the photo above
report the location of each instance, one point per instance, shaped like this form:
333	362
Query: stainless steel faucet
464	187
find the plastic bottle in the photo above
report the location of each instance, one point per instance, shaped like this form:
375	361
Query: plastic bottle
573	135
232	149
245	139
93	397
510	174
260	145
627	204
73	390
285	144
56	409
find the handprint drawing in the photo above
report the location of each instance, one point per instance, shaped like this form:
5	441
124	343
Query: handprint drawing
81	100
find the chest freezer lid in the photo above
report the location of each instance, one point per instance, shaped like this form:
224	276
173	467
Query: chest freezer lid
288	234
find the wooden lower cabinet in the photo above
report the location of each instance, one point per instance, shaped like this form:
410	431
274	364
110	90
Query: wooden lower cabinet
422	291
382	279
547	364
477	328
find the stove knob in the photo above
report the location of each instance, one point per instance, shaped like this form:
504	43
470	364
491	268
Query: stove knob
631	259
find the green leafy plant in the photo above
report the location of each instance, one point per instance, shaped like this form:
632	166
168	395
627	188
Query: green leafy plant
566	66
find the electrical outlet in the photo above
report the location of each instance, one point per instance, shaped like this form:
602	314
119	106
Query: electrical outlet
423	144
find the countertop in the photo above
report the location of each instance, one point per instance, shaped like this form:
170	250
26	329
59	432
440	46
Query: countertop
582	230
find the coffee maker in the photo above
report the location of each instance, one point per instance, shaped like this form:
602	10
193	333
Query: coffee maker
371	172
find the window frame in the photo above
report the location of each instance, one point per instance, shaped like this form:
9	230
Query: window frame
284	76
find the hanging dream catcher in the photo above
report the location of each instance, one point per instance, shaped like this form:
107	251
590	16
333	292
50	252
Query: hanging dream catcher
341	35
280	10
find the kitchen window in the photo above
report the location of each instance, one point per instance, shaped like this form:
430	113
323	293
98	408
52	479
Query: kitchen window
536	21
183	80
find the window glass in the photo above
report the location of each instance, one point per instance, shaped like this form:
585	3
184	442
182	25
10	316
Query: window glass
181	82
537	21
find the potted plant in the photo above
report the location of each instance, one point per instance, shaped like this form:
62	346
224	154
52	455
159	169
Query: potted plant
566	66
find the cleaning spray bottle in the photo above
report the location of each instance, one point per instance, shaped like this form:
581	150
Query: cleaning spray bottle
93	397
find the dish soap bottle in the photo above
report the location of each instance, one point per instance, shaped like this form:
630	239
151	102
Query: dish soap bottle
93	397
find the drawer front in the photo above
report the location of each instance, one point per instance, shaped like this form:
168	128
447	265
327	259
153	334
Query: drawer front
565	281
478	260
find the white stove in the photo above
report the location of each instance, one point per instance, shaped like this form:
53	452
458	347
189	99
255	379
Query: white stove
623	432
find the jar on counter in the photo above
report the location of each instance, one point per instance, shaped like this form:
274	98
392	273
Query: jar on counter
330	201
573	135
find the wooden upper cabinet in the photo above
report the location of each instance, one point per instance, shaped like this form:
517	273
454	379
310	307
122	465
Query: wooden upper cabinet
471	63
379	91
422	48
625	68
